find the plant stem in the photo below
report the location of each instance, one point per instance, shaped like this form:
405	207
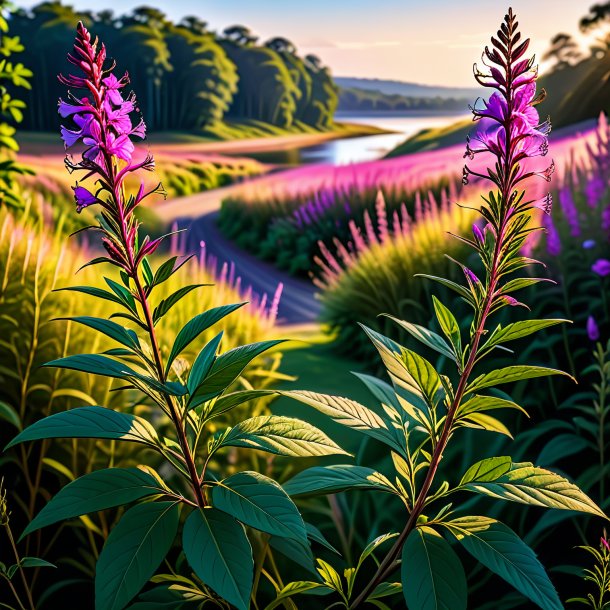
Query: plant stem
28	593
507	184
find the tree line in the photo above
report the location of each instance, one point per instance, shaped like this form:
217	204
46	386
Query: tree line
354	99
187	77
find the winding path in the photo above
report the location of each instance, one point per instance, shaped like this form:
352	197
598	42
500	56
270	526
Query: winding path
299	303
199	212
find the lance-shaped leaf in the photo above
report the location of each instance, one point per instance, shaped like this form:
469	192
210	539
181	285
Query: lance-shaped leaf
527	484
194	327
261	503
424	378
517	330
432	576
90	422
229	401
296	551
203	363
166	304
115	331
449	325
482	421
510	374
381	390
352	414
426	336
303	587
134	550
226	369
217	548
96	491
93	291
480	404
282	436
336	478
390	353
500	550
97	364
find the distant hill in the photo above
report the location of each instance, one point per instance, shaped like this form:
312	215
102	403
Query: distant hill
396	87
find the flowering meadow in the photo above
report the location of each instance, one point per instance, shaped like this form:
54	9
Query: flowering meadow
165	442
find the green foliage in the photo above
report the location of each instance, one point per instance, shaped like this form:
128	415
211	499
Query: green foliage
432	576
188	77
599	574
13	76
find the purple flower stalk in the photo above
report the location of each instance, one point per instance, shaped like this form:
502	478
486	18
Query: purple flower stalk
101	117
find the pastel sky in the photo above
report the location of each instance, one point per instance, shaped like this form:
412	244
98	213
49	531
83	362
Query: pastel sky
425	41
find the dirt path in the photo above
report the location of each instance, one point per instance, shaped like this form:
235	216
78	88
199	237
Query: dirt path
199	212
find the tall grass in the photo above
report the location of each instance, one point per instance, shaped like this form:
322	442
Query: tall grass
36	261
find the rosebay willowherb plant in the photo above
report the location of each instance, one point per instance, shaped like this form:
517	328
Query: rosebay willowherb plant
426	407
214	510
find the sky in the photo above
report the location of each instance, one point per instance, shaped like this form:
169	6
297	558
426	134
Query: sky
424	41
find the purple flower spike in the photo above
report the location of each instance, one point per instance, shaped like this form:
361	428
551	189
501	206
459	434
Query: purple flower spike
101	120
592	329
602	267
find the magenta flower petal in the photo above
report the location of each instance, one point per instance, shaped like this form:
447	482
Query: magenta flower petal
83	197
592	329
601	267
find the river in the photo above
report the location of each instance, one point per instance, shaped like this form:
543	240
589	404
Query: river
366	148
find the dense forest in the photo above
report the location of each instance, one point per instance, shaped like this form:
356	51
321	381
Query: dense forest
355	99
187	77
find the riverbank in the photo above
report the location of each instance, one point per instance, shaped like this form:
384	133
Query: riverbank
233	139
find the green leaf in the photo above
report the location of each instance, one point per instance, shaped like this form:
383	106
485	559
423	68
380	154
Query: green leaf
463	292
479	404
35	562
423	376
282	436
90	422
166	304
227	402
560	447
123	294
522	282
100	293
194	327
349	413
296	551
203	363
517	330
510	374
97	364
448	324
261	503
226	369
402	380
218	550
385	589
8	413
427	337
96	491
336	478
111	329
133	551
381	390
527	484
500	550
482	421
302	587
432	576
